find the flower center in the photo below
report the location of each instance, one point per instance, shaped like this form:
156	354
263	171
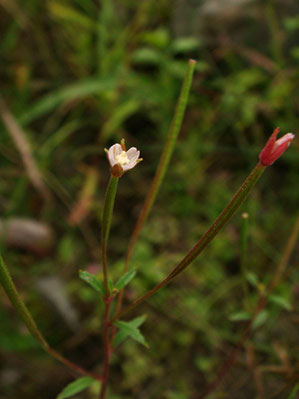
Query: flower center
122	158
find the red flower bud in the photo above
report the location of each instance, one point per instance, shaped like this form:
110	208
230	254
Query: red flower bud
275	148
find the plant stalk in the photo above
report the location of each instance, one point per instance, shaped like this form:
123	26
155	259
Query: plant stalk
106	223
243	258
221	220
107	351
25	315
174	130
262	302
164	159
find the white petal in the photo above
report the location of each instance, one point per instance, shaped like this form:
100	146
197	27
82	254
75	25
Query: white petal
283	139
129	166
113	152
133	154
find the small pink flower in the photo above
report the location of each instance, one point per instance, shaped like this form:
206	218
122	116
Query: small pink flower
121	160
275	148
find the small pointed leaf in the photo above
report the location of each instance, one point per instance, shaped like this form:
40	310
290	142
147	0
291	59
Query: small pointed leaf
110	285
281	301
125	279
75	387
122	335
240	316
252	279
130	329
260	319
92	281
294	391
137	321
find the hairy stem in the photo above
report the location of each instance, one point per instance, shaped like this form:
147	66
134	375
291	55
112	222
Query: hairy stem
222	219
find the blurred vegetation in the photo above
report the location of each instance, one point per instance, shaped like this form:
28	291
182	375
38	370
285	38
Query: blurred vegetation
78	75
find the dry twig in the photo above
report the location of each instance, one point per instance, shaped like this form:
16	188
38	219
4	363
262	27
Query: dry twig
19	138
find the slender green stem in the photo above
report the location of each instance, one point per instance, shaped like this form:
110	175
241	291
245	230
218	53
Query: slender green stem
272	20
161	169
244	241
164	159
106	223
289	248
23	312
222	219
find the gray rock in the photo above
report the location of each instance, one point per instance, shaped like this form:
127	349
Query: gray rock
52	289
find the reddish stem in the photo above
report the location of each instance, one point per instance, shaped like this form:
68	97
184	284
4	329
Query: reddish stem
259	307
73	366
235	352
107	348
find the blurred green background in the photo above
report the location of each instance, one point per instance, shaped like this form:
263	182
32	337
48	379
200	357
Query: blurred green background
77	76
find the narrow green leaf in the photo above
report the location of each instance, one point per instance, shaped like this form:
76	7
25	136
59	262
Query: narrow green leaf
137	321
240	316
280	301
146	55
125	279
71	16
260	319
120	114
75	387
92	281
77	90
132	332
110	285
130	329
252	279
185	44
120	337
294	391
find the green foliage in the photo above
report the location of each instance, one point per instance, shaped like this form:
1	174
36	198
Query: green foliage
252	279
292	395
76	386
261	318
281	301
93	281
125	279
80	75
240	316
131	329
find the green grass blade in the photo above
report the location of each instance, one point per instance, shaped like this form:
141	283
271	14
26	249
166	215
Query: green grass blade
79	90
75	387
165	157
